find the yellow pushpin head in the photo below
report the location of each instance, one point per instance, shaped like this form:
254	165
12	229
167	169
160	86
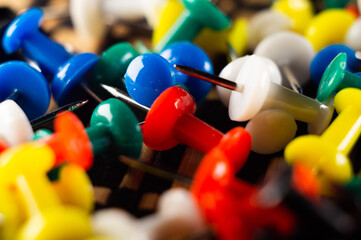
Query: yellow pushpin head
329	27
299	11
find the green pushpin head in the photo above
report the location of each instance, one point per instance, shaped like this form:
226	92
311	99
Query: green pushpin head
336	78
41	133
197	15
114	129
111	67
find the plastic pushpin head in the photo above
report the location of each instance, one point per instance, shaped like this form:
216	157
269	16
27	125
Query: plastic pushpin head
72	144
288	49
335	3
321	34
332	77
147	76
16	128
23	25
323	58
188	54
353	35
112	66
271	131
300	12
121	125
163	115
71	75
32	87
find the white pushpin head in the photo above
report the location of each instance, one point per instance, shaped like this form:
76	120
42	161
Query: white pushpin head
231	71
353	35
15	126
255	76
291	50
91	17
264	24
271	131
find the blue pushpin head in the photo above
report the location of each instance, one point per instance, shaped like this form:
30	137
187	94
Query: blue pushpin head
188	54
26	86
70	76
147	76
324	57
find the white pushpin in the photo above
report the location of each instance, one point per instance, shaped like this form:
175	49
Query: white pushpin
353	35
230	72
15	126
292	53
265	23
178	216
91	17
254	91
271	130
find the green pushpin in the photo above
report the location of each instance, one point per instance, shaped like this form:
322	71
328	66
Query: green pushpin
114	128
111	67
41	133
336	78
336	3
196	15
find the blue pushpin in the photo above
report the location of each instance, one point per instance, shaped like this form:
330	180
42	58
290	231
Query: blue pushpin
26	86
66	70
325	56
148	75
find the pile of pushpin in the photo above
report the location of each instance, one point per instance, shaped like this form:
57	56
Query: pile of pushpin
217	126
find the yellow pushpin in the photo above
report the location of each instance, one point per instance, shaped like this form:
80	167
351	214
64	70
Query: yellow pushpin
25	168
299	11
329	152
74	187
329	27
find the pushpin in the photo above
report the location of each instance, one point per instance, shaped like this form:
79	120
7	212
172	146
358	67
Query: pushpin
336	78
329	152
26	86
300	12
223	198
150	74
45	214
321	35
113	129
166	223
171	116
196	15
293	55
324	57
90	18
266	23
335	3
254	90
353	34
67	71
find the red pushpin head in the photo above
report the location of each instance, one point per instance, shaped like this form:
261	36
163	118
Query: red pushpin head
3	146
70	141
163	116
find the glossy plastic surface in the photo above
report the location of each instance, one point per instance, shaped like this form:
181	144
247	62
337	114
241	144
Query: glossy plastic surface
170	121
323	58
197	15
70	75
336	78
114	128
111	67
189	54
321	35
147	76
33	89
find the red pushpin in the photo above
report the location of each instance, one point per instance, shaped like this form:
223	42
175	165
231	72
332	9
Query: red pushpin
229	204
171	121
